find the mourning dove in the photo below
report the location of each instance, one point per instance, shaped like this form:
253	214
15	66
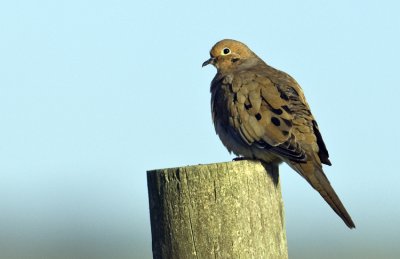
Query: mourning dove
261	113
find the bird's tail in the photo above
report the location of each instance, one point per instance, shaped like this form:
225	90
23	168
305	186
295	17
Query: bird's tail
316	177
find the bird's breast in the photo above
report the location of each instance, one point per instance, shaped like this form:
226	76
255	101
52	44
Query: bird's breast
222	100
228	103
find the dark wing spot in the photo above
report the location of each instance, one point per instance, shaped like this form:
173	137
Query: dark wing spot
248	106
285	133
235	97
286	108
276	121
277	111
282	94
258	116
287	122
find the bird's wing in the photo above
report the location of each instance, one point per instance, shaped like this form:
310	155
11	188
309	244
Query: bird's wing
305	128
261	112
272	113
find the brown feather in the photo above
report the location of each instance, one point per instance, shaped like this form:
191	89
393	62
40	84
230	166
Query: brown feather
261	112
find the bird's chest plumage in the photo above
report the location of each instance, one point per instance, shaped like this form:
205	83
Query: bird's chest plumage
221	99
230	107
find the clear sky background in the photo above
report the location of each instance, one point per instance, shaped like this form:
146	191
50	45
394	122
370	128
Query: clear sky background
94	93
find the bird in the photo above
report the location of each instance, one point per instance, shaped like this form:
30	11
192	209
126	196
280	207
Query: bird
261	113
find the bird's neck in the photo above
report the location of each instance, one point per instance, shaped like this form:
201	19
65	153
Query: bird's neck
244	64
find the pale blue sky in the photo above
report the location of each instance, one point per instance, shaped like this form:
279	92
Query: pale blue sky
94	93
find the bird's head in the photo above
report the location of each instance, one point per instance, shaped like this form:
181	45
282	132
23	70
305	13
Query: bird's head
227	55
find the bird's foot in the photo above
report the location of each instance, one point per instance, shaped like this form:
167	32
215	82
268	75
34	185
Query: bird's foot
241	158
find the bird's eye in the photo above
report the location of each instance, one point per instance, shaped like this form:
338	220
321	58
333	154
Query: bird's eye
226	51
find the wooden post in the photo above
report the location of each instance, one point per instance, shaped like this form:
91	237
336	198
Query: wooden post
224	210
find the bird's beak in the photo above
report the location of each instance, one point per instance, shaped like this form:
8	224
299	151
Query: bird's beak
209	61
